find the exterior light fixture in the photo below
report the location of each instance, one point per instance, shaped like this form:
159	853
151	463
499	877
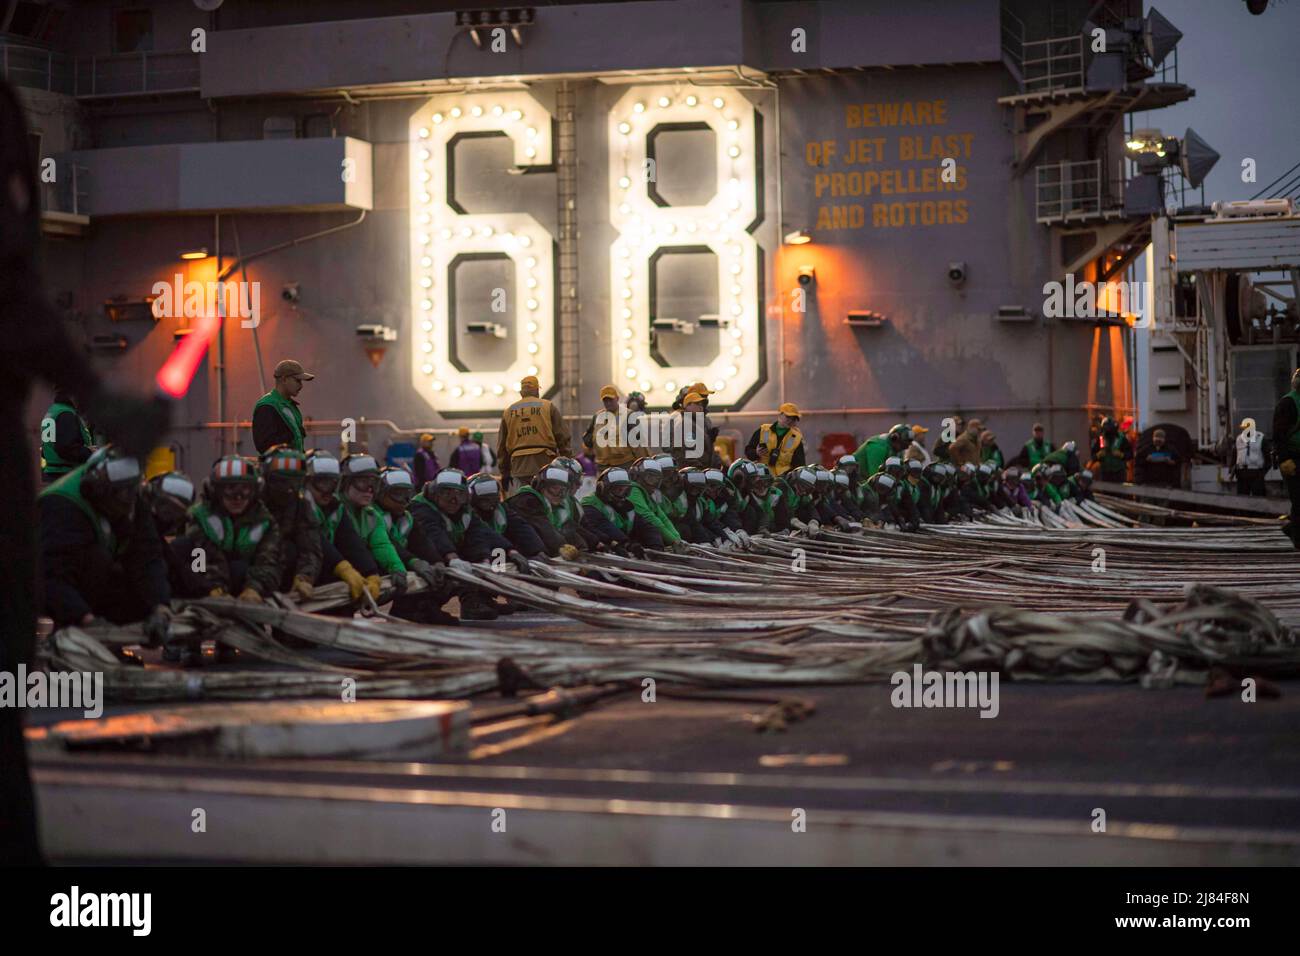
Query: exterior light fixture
199	253
798	238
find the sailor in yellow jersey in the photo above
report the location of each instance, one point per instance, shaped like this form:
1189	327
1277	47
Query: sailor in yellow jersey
532	433
779	444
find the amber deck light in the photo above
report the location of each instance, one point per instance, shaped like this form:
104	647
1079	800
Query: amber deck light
200	253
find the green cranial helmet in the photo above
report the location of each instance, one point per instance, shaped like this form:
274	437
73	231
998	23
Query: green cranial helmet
234	470
693	478
484	487
614	482
111	481
573	467
284	463
449	480
357	466
804	480
552	476
741	472
647	472
396	487
175	487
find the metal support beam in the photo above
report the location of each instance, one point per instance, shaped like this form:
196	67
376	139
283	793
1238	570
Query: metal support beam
566	172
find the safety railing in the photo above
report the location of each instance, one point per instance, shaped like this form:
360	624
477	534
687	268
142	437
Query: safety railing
112	74
1052	64
135	74
36	68
1076	190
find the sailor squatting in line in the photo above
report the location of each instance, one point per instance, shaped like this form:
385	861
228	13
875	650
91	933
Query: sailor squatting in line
115	549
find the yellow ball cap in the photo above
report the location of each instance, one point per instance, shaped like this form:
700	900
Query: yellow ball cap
529	381
693	398
609	391
700	389
790	409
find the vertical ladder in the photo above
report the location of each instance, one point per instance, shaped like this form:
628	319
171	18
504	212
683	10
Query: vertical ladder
566	171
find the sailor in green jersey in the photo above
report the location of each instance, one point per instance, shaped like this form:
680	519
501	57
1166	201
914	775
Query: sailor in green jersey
915	486
545	502
873	452
65	438
863	498
1066	457
670	494
485	499
1059	481
1081	486
647	476
284	472
930	504
358	482
765	511
1036	449
609	516
345	556
1112	450
1044	492
722	509
454	531
896	506
569	513
828	510
99	549
393	502
237	533
797	487
689	518
277	419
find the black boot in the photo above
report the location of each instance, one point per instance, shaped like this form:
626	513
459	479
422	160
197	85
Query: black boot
474	608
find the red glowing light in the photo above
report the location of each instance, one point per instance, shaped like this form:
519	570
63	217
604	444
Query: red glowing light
178	371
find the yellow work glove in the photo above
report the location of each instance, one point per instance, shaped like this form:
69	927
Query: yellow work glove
568	552
373	584
301	588
1288	468
217	592
250	595
355	582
